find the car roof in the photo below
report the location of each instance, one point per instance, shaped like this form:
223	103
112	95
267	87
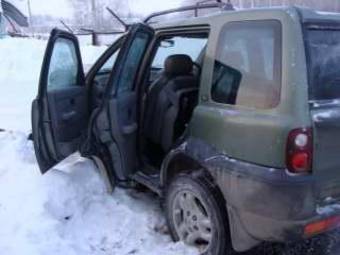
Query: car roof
306	14
312	15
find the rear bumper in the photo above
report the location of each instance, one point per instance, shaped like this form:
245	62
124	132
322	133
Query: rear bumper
271	205
328	218
252	229
264	204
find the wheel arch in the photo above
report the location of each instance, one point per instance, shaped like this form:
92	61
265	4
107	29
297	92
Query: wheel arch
177	163
186	158
196	154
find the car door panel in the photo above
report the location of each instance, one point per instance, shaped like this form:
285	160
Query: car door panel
60	110
117	122
124	135
126	113
68	112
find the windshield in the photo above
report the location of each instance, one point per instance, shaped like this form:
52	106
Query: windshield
191	46
323	51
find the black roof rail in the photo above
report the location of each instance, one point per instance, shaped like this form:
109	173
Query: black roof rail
199	6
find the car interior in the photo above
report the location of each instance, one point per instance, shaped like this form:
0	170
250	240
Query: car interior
169	91
102	74
170	94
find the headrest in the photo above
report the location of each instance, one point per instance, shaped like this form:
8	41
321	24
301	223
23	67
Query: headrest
179	64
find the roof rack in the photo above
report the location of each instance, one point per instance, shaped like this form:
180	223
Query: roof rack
199	6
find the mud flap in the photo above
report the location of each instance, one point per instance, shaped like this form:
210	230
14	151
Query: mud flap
240	238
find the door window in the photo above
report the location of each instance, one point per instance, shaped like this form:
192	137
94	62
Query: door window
108	65
63	69
132	62
247	68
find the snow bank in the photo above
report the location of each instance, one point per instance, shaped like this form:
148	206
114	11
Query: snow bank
68	211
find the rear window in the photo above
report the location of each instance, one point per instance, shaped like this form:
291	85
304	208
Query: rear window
323	52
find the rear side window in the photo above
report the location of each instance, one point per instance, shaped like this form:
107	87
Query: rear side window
323	51
247	67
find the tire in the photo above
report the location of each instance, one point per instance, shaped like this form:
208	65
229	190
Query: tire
196	213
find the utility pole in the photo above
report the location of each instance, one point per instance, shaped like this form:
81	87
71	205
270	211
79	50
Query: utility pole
94	14
29	12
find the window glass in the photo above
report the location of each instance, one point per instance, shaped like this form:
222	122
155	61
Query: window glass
132	62
108	65
324	59
247	67
191	46
63	69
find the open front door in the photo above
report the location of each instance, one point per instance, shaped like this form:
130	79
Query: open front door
59	112
117	124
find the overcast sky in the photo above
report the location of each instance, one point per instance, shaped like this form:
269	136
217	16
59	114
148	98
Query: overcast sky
148	6
59	8
63	8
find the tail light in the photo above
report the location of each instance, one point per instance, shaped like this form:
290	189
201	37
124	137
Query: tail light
322	226
299	154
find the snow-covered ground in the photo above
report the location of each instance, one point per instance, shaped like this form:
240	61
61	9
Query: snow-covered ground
20	64
68	211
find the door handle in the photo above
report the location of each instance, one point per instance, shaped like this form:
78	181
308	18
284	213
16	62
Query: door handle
69	115
129	129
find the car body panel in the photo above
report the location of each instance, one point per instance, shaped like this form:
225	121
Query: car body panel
255	195
320	30
256	135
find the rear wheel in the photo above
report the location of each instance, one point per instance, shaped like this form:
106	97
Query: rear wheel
196	214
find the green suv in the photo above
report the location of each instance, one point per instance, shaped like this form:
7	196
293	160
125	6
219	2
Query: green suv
233	119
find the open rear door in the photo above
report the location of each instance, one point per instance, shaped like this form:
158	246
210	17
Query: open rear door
60	111
117	124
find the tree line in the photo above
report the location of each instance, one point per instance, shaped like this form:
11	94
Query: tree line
92	14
